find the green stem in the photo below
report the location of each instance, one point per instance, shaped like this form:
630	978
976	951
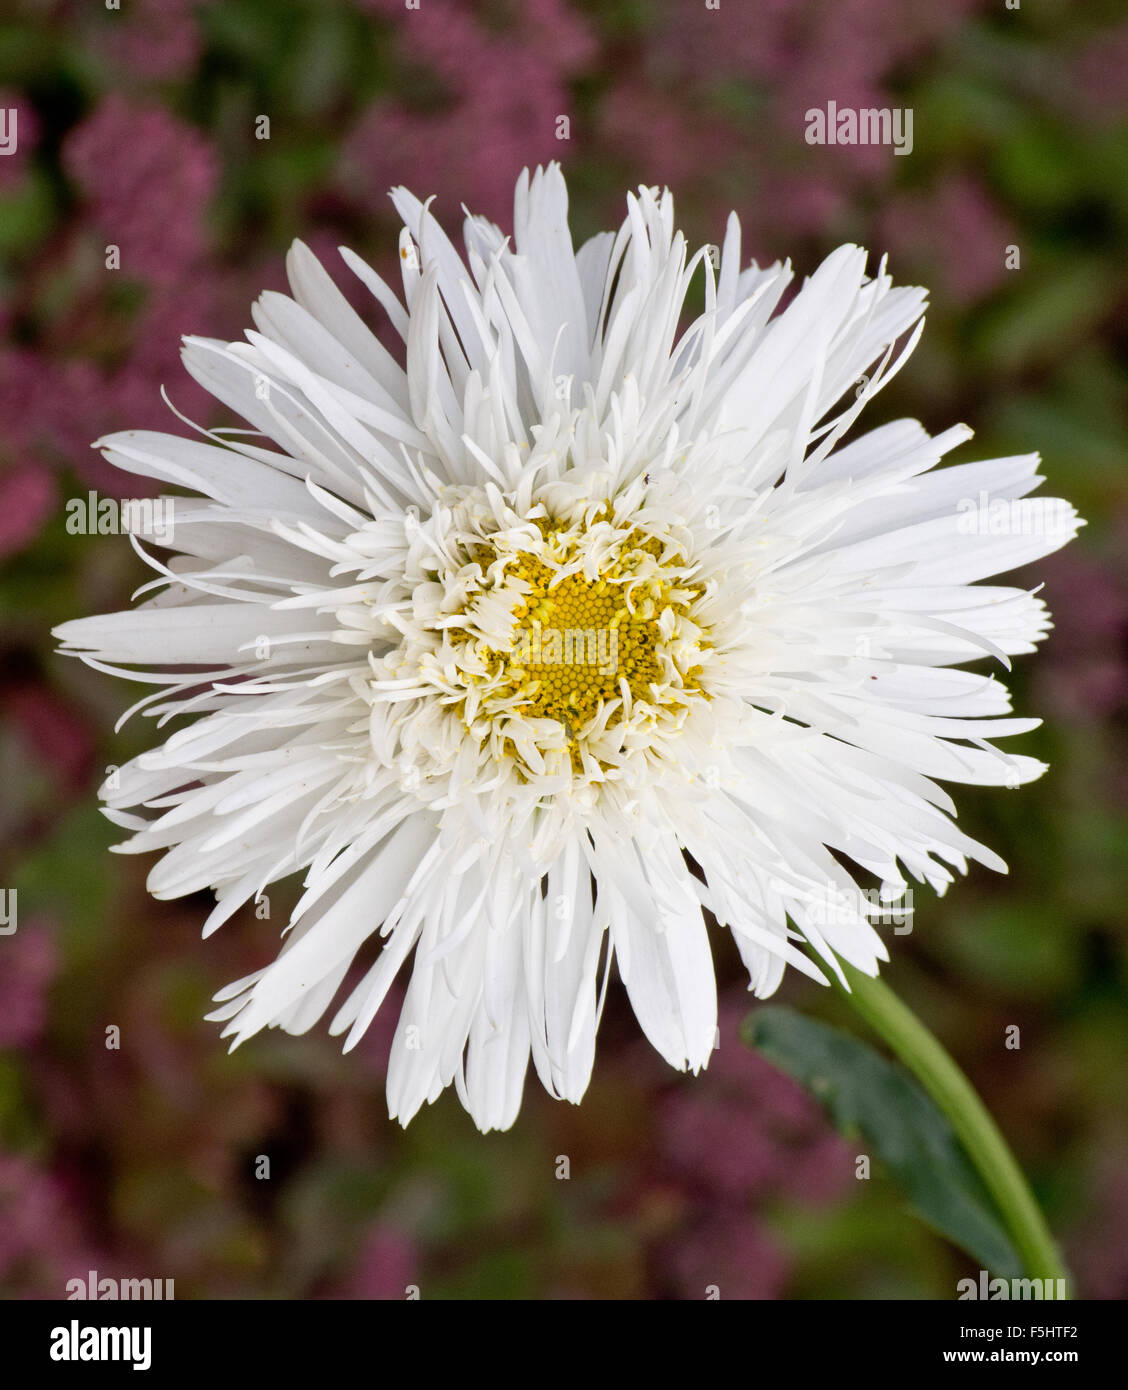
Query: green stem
908	1038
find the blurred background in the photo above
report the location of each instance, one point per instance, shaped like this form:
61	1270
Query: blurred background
137	126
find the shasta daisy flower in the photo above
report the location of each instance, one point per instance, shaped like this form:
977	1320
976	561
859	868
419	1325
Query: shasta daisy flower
570	624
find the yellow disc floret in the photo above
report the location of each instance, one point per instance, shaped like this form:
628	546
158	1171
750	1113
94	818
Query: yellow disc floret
565	644
592	638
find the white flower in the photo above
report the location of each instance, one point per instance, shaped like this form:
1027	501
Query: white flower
530	648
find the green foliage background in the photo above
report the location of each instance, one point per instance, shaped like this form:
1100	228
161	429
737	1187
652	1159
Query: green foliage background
143	1159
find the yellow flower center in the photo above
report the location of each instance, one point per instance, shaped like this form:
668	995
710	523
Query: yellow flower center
580	643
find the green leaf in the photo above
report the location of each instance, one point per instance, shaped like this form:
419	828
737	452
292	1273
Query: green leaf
867	1095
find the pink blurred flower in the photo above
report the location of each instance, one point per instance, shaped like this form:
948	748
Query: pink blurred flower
57	409
34	1222
52	728
28	430
1085	673
955	231
29	446
800	204
41	1243
12	166
27	496
85	395
1099	77
190	306
472	151
559	34
154	38
731	1252
386	1265
504	92
86	400
449	39
745	1131
148	178
728	42
855	44
662	142
29	962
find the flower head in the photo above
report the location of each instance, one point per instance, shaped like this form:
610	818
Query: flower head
570	624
